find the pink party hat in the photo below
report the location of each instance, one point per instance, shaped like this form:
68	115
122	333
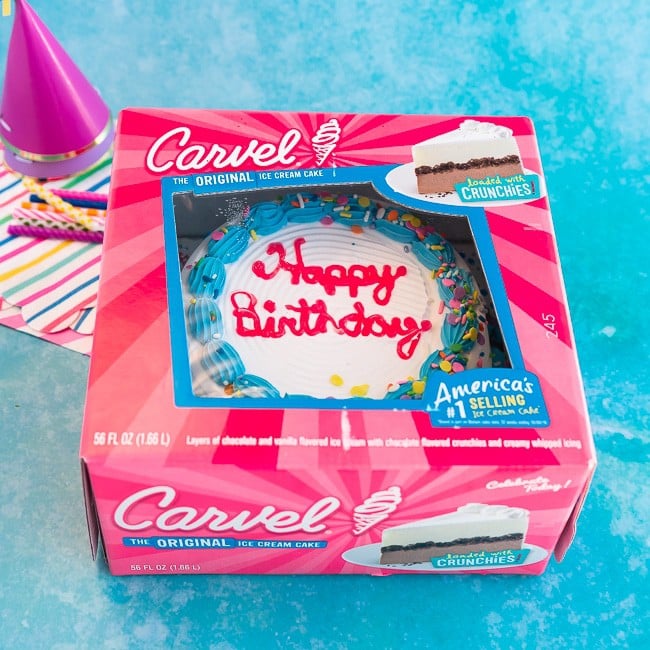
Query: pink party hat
53	122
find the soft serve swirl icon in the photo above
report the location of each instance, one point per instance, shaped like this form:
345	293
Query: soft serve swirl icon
377	507
325	140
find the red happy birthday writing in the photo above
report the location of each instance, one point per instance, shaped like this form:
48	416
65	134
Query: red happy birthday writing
311	319
333	276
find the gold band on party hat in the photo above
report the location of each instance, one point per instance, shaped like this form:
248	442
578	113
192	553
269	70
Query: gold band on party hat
45	158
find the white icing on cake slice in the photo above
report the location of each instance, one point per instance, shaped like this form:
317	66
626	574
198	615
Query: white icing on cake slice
474	520
471	140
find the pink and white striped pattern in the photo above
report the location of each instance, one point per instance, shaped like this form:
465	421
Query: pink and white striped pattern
48	287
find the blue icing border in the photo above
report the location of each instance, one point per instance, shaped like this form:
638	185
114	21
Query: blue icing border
433	251
207	277
231	245
463	326
396	231
307	213
254	386
266	218
204	319
222	362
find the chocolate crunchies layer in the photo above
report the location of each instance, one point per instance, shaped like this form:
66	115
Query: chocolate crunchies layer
474	163
512	537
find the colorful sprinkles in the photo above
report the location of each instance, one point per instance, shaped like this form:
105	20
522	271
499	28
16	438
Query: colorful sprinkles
359	391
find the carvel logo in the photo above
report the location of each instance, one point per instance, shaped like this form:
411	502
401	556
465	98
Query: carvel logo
174	150
130	515
377	507
195	157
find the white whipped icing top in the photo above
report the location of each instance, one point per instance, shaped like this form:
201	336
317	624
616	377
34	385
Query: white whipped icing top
493	511
472	139
470	520
495	130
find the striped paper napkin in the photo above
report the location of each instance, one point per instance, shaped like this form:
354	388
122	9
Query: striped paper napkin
48	287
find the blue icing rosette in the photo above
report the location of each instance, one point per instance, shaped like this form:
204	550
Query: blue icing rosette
204	319
231	245
454	281
254	386
352	213
304	209
433	252
396	231
266	218
426	365
207	277
452	332
222	362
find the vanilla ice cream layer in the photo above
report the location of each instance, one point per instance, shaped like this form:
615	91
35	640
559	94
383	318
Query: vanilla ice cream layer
471	140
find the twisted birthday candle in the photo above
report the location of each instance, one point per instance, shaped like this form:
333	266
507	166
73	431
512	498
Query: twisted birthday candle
76	214
40	232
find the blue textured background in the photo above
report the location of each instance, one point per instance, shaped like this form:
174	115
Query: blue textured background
582	73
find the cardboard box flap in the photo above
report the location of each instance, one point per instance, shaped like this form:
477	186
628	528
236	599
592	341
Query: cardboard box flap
91	511
566	537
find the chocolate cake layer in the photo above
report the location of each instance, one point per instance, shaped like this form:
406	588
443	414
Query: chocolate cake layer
444	181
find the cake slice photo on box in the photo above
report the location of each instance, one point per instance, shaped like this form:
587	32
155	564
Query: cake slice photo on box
327	294
474	527
475	150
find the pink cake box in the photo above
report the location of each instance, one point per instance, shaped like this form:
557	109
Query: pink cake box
219	438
